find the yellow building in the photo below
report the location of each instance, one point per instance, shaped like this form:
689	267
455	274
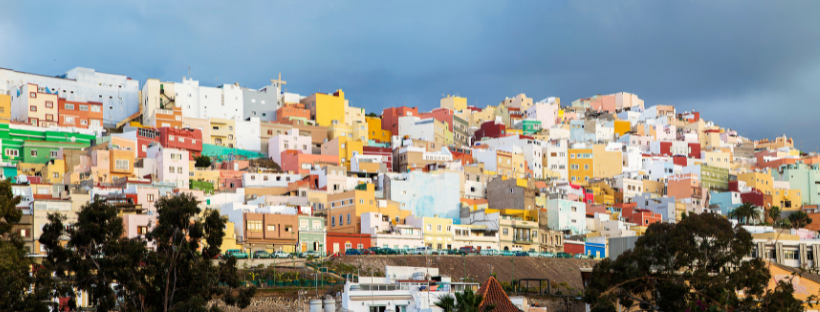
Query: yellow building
622	127
654	188
204	174
603	193
354	115
343	148
786	199
351	132
326	109
344	210
718	159
374	127
518	229
580	162
5	108
762	181
222	132
52	171
607	163
454	103
436	232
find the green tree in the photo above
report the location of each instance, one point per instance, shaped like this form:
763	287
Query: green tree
799	219
202	161
20	290
745	213
690	265
175	275
465	301
372	114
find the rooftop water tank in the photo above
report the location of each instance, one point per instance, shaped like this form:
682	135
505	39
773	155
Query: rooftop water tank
330	304
315	305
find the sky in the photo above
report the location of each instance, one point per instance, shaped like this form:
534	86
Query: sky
752	66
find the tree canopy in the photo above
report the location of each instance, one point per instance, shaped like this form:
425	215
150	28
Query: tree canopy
202	161
169	269
693	265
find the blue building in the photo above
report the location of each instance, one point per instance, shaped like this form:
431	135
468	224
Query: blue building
597	250
426	195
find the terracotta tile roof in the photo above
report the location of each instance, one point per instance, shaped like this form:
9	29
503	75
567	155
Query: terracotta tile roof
494	295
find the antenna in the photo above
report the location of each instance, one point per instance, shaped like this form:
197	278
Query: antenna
189	71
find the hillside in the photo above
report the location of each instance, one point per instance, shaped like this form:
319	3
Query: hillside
478	268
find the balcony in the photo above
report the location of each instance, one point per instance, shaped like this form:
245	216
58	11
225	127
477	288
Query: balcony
523	240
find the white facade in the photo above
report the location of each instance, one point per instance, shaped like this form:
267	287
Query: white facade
417	128
269	179
248	133
172	165
282	142
118	93
532	150
556	154
545	111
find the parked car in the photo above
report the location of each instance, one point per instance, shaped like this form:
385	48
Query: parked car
507	253
454	252
388	251
489	252
533	253
468	250
352	252
261	254
236	253
367	252
375	250
582	256
546	254
424	251
310	253
281	254
521	254
563	255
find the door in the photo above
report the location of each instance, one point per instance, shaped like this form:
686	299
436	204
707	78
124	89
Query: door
304	246
335	247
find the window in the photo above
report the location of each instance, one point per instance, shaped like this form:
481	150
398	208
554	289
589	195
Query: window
33	108
449	228
271	228
506	231
429	227
303	224
255	226
348	218
438	227
95	108
121	164
142	230
333	221
790	254
69	106
181	140
33	95
84	122
49	104
150	198
179	169
33	153
317	224
69	120
53	154
12	153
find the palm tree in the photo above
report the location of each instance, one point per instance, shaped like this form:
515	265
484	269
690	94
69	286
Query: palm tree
744	213
447	303
465	301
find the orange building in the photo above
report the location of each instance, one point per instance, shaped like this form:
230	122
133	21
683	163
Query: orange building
285	113
80	114
171	118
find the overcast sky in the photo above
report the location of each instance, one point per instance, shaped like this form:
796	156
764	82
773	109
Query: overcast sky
751	66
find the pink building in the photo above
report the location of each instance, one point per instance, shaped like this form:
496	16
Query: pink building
604	103
546	113
298	162
683	186
283	142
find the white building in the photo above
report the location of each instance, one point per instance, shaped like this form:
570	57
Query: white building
118	93
532	150
250	179
556	154
292	141
545	111
172	165
248	133
385	234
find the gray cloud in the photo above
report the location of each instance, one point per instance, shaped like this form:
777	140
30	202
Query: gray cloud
751	65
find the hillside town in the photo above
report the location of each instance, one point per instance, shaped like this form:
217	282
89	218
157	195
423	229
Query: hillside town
313	175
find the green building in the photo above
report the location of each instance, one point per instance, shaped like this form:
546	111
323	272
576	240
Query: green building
530	127
312	234
40	152
803	177
13	140
714	178
203	186
222	153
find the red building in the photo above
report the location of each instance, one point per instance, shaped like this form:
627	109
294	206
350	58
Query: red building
645	217
574	247
694	150
679	160
339	242
144	138
380	151
185	139
390	117
440	114
490	129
